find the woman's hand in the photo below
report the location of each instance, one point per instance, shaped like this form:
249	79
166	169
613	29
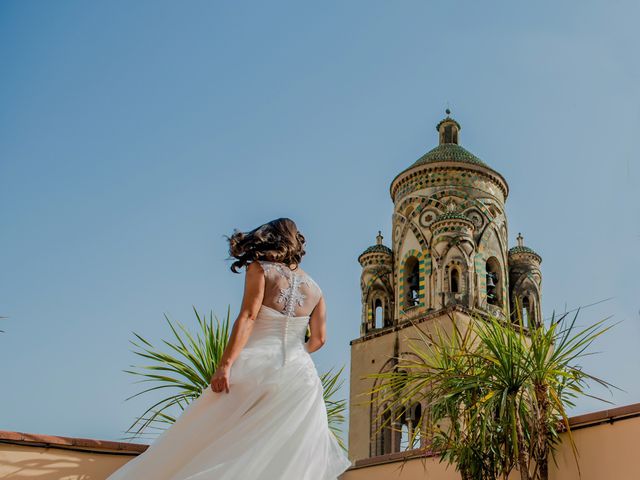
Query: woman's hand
220	379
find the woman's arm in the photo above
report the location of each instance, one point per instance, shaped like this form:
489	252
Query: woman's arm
242	327
318	326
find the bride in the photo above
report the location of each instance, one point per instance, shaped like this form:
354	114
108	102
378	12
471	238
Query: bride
264	416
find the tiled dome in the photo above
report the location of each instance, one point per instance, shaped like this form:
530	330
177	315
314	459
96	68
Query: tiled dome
449	152
522	248
377	248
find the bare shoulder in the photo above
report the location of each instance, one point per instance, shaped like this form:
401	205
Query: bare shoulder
254	268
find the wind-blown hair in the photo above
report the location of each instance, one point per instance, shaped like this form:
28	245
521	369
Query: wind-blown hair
277	241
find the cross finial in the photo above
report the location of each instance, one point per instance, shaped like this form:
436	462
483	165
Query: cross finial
379	237
520	239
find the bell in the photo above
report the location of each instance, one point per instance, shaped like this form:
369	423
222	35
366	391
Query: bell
491	279
413	299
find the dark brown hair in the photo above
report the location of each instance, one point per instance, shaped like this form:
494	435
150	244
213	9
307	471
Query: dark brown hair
277	241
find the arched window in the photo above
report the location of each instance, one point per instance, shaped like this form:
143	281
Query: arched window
450	134
412	282
416	415
385	435
526	311
378	314
409	436
454	280
405	436
493	281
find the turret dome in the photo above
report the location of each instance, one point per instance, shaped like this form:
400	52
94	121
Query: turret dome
377	248
521	248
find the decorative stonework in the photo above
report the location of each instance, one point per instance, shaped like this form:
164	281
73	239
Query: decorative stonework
449	176
449	249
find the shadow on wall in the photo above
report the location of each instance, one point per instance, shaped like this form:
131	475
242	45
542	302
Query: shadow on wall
22	463
45	467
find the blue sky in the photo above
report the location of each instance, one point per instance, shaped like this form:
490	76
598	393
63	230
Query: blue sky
134	135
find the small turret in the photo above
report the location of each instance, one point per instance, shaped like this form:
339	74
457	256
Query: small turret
525	281
376	284
448	129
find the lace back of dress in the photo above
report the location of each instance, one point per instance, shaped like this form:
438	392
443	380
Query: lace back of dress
291	292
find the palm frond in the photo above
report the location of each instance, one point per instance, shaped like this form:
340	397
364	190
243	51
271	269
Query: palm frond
186	371
496	393
331	383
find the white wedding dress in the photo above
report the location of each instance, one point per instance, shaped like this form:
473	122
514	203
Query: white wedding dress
272	425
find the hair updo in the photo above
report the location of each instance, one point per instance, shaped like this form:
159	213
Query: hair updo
277	241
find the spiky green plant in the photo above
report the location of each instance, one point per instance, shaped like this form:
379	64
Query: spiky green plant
186	368
496	393
331	383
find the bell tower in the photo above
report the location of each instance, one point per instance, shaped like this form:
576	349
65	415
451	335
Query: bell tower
449	225
448	256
